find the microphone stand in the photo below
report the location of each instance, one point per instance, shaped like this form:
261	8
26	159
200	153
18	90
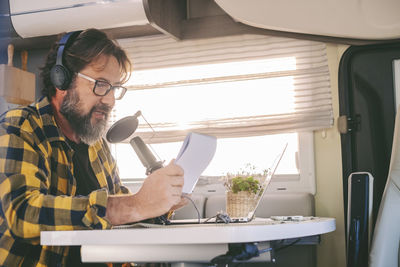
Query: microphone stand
151	164
124	128
162	219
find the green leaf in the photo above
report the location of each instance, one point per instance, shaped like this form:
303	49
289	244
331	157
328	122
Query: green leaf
248	184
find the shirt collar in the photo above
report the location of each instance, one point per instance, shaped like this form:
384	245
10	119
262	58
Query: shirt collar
50	127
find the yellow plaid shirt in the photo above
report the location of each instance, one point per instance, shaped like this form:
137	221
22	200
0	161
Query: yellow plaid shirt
37	187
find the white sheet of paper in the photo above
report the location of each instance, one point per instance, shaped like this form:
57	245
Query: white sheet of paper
194	156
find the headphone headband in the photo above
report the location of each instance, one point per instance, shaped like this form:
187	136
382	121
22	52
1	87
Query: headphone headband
65	41
60	75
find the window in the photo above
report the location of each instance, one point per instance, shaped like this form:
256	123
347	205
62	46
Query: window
254	102
233	154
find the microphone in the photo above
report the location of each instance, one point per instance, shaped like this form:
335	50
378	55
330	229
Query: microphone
146	157
151	164
123	128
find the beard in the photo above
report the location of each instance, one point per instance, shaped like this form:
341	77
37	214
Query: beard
82	124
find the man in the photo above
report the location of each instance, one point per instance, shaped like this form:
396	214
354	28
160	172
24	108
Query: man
56	170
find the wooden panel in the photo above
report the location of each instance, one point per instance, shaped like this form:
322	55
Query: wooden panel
166	15
17	86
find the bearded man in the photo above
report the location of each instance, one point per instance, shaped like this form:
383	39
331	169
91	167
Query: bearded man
56	170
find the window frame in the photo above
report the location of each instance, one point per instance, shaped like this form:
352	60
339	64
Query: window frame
303	182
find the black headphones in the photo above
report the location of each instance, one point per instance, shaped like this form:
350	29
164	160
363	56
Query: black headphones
60	75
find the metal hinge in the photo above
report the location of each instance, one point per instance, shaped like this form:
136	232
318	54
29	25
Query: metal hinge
347	124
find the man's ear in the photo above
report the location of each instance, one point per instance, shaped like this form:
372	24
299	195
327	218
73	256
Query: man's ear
60	92
58	97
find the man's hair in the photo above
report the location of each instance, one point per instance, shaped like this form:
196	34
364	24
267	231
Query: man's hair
87	47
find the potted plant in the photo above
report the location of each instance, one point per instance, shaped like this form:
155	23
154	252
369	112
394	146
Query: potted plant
243	191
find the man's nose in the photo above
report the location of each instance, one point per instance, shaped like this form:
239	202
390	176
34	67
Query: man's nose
109	98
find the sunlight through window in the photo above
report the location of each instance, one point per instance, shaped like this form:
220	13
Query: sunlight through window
183	105
160	76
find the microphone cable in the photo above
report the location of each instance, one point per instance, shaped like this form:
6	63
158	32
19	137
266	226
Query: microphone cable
197	210
220	217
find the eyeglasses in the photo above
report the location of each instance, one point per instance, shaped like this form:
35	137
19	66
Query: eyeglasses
102	88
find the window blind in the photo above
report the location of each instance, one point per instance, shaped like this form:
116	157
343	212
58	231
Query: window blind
306	74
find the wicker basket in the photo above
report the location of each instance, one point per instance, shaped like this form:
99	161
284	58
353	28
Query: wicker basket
240	204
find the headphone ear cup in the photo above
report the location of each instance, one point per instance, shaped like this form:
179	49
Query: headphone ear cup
60	77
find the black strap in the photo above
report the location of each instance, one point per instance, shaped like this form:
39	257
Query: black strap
237	251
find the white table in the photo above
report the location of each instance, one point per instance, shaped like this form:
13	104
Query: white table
182	243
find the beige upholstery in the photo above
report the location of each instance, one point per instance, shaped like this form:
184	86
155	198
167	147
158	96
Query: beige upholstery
189	211
385	243
272	204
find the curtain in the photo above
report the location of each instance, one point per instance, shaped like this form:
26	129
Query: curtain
297	69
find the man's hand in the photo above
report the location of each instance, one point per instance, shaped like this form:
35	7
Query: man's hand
160	192
184	201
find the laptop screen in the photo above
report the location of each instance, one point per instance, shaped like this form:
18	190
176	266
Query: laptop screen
250	216
265	183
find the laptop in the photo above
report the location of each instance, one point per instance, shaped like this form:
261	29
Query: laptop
250	216
219	218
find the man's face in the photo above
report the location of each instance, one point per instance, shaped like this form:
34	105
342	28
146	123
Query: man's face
86	112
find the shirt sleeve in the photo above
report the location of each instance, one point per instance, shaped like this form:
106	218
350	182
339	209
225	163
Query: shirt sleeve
27	206
118	186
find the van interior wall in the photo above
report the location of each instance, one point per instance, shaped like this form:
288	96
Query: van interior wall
329	197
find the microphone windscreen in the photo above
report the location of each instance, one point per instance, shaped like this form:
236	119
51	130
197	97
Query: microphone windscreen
123	128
